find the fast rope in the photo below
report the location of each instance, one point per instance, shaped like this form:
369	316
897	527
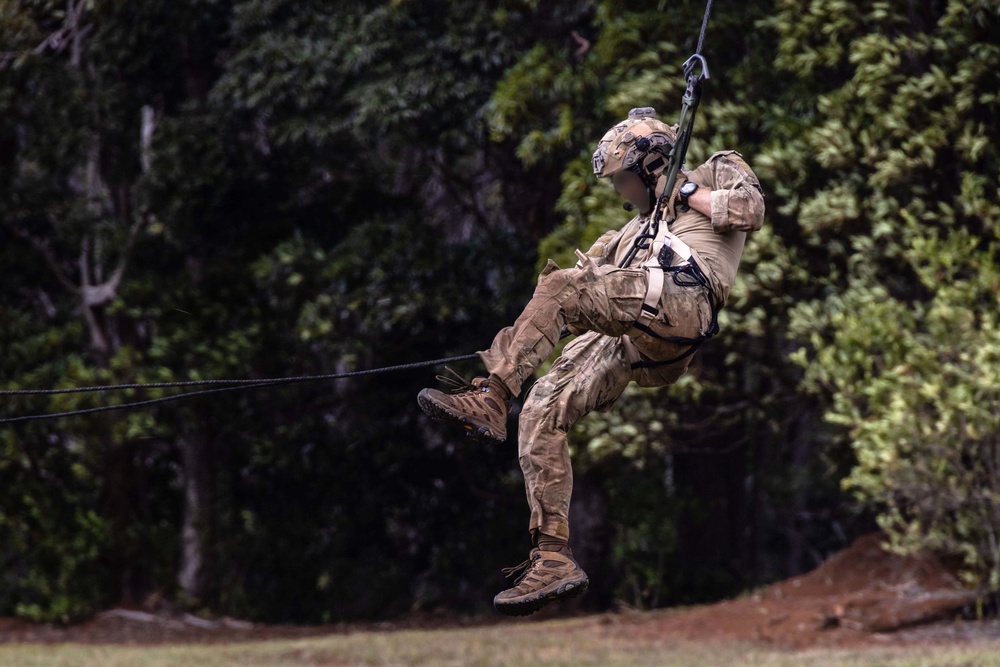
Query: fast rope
233	386
704	26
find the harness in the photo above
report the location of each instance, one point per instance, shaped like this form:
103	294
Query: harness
669	253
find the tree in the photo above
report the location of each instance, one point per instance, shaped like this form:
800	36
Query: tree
901	195
272	218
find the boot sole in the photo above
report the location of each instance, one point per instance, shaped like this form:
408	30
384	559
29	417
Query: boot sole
440	413
528	606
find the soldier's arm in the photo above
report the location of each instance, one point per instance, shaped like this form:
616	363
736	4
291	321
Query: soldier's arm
737	202
701	201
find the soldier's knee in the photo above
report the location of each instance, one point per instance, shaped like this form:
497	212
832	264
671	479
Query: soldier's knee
534	403
552	409
554	283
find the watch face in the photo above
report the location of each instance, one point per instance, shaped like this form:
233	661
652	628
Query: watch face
688	188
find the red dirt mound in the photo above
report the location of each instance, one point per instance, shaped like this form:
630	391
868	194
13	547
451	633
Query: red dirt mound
857	592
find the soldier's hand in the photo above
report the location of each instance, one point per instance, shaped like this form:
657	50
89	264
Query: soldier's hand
673	202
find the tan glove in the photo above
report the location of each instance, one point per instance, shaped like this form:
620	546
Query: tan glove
671	205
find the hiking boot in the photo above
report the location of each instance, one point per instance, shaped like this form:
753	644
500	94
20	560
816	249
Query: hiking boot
477	406
545	576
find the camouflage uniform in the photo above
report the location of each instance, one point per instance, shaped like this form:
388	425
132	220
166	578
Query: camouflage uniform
605	300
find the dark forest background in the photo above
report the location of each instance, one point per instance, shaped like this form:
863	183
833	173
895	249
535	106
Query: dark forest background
243	189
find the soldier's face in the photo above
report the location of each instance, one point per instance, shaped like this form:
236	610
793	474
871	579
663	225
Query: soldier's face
630	187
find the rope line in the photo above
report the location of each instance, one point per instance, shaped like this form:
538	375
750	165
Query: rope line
123	406
234	385
202	383
704	26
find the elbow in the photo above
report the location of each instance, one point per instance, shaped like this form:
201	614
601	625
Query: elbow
737	210
752	213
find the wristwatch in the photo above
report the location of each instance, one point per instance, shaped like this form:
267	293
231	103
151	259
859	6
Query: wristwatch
686	190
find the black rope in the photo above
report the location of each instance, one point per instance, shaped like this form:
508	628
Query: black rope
234	385
704	26
123	406
202	383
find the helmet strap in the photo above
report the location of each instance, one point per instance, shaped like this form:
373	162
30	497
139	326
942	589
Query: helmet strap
650	170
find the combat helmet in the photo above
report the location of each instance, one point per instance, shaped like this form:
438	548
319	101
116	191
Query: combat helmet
640	144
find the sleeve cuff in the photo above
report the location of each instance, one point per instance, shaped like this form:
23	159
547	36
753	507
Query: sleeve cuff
720	210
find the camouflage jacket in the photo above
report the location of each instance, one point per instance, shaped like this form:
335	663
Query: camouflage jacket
717	241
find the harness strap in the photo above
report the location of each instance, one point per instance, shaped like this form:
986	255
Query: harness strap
653	364
669	253
654	266
631	352
650	303
666	238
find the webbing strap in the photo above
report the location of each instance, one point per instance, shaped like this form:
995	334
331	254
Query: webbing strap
681	259
650	304
665	237
654	287
666	362
631	352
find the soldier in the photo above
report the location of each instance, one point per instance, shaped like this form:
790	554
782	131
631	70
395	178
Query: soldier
637	324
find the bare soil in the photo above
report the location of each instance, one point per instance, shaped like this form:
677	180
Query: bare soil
861	596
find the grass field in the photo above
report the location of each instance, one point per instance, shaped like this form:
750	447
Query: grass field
565	642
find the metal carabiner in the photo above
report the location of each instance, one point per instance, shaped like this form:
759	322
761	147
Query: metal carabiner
689	66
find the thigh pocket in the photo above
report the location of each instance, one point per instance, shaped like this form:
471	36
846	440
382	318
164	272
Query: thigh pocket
684	311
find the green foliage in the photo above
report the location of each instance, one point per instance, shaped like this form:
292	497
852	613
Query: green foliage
318	193
343	186
902	197
869	127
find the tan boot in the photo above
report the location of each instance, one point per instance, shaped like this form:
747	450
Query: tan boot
476	406
545	576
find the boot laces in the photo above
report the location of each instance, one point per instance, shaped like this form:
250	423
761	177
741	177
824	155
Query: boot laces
523	569
459	384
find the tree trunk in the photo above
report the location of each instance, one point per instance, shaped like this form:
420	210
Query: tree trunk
592	538
196	529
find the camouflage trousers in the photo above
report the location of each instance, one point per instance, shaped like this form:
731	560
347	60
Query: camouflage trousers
592	371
